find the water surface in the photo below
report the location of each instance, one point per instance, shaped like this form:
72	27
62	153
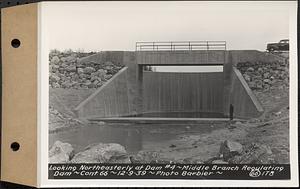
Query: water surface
132	136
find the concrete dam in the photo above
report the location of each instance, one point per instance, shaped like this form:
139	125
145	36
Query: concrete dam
135	92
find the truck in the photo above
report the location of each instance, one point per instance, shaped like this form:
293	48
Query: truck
282	45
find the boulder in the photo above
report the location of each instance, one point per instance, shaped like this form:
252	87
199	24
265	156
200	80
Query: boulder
219	161
53	68
66	84
54	60
229	149
145	157
250	69
61	152
55	85
267	81
71	68
252	84
54	78
247	77
102	153
80	71
254	154
259	85
71	58
88	70
267	75
108	63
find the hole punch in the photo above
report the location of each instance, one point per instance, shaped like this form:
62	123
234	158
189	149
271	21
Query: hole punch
15	146
15	43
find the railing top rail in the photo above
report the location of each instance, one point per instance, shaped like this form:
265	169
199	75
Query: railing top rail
180	45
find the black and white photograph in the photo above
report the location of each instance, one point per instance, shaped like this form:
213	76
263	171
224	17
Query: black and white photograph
163	83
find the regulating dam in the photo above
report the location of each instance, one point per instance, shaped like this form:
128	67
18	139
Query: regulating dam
135	92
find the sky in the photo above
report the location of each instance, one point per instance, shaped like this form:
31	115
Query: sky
101	26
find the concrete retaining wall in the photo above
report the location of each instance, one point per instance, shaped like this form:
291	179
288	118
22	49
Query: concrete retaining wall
183	92
110	100
242	98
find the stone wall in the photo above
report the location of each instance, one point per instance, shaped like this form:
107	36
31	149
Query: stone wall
262	76
71	71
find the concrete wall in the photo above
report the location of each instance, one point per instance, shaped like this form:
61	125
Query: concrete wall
180	57
110	100
242	98
135	103
183	92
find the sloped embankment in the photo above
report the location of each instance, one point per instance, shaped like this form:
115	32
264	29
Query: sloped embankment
270	83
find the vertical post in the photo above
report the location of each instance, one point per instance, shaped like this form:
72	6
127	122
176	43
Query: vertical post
207	59
231	112
225	52
140	88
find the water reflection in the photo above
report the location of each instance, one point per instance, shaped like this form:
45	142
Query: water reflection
134	140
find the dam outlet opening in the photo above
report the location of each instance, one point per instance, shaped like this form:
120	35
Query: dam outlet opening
182	91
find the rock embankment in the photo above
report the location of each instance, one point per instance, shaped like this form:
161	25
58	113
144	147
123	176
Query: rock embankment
263	76
102	153
230	152
59	121
67	71
61	152
99	153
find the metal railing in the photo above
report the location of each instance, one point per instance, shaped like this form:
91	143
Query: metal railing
180	46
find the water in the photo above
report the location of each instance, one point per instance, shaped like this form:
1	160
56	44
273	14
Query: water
183	115
134	137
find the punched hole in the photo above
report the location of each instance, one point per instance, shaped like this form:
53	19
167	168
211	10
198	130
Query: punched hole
15	43
15	146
